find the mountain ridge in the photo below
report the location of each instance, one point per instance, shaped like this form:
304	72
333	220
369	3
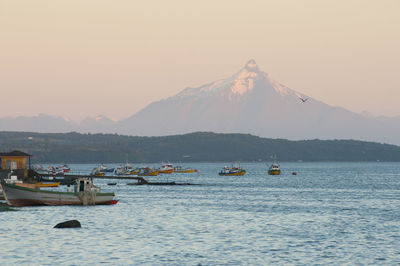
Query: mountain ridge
249	101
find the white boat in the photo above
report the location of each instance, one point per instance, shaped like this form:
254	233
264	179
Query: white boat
166	169
85	193
124	170
274	169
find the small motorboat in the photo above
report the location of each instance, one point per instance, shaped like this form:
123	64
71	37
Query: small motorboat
112	183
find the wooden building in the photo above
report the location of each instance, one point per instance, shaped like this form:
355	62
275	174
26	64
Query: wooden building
15	160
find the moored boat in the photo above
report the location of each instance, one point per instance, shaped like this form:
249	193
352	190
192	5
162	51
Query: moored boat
180	169
145	171
85	193
274	169
97	172
124	170
166	169
63	168
232	171
104	169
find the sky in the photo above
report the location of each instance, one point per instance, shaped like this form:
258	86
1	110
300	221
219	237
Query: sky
76	58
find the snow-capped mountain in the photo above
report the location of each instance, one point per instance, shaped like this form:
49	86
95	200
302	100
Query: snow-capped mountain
251	101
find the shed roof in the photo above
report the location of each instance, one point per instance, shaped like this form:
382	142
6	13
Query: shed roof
15	153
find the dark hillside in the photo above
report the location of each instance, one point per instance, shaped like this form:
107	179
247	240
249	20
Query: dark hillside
199	146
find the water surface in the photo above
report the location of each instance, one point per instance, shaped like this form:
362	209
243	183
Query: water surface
329	213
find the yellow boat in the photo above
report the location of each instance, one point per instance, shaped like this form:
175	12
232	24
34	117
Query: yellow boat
274	169
41	184
179	169
146	172
242	172
232	171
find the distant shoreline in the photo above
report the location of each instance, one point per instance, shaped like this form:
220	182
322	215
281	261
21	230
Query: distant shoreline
188	148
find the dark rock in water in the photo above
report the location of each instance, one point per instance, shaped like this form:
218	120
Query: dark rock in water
69	224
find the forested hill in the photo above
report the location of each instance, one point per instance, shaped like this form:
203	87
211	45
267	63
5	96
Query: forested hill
193	147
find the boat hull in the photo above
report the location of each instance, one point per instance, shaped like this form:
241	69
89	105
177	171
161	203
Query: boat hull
22	196
169	171
185	171
154	173
274	172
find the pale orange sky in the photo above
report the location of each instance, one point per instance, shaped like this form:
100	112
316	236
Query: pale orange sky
84	58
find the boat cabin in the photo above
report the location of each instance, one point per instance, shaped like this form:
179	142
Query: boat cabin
85	184
15	160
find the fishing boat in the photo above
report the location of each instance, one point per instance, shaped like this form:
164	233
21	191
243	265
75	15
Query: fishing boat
63	168
51	170
97	172
104	169
180	169
166	169
274	169
127	169
232	171
85	193
145	171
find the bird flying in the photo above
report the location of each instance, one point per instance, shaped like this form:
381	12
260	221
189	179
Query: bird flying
303	100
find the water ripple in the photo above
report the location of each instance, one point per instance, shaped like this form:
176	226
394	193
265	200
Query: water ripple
329	213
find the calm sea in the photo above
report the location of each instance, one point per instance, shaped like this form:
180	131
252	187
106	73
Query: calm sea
329	213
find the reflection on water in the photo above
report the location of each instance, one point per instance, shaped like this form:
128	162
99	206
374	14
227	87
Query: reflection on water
328	213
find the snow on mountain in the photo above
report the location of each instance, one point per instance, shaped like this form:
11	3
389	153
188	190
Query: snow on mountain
98	124
240	83
251	101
